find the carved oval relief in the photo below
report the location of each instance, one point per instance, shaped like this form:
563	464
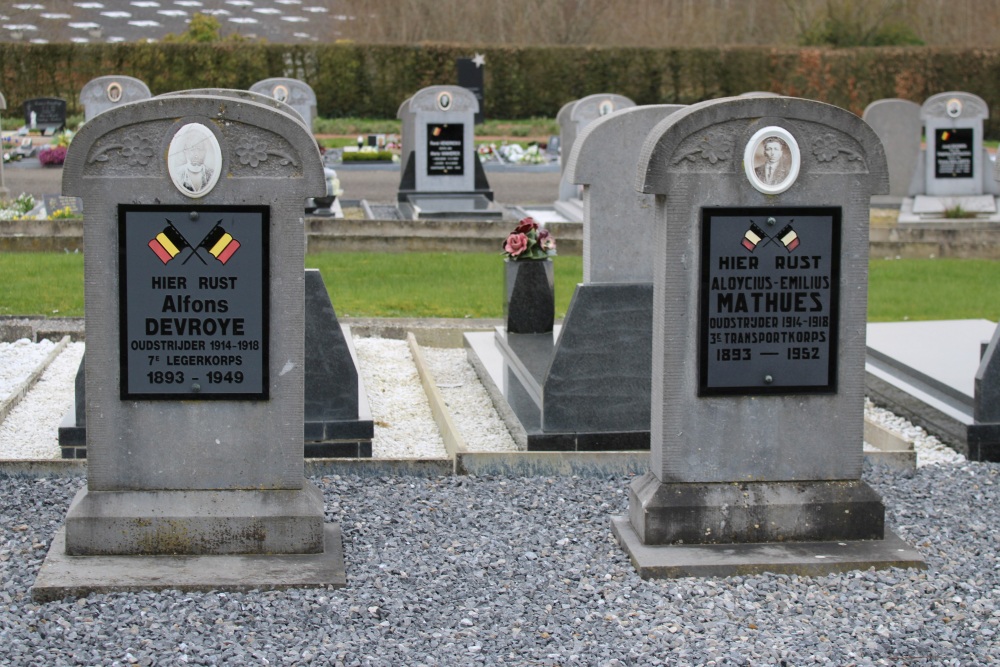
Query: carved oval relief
194	160
771	160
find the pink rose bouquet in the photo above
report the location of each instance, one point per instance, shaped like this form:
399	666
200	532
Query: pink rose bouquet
529	241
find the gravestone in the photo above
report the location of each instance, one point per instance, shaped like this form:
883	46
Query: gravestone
983	440
45	114
759	305
572	118
955	175
572	389
3	187
107	92
195	353
53	203
898	125
296	94
469	72
337	419
442	176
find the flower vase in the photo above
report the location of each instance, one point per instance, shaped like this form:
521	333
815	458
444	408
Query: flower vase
529	305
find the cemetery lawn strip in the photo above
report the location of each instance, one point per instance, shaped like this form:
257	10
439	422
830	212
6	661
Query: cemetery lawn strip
470	285
41	284
428	284
933	289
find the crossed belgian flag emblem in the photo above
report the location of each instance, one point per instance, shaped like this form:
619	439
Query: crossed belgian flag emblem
169	243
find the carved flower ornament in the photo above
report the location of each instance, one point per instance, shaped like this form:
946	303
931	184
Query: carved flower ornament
254	152
713	147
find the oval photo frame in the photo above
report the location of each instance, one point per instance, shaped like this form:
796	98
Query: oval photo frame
280	93
194	160
114	92
444	101
772	160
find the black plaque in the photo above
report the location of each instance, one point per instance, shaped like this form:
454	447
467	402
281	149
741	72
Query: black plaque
50	112
55	203
445	149
470	77
194	296
953	153
769	300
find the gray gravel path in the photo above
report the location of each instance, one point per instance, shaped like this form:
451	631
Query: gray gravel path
490	571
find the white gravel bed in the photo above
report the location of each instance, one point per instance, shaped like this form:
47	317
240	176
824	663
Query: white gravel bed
404	425
18	360
468	403
31	430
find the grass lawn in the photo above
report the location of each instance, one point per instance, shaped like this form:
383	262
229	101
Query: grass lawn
470	285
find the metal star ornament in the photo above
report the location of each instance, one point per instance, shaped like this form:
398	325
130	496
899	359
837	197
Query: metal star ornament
479	60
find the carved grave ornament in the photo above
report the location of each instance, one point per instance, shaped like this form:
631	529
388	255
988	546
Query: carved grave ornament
771	160
194	160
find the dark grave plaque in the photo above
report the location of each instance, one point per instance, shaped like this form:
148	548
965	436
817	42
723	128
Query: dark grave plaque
470	77
55	203
194	297
49	112
445	147
953	153
769	300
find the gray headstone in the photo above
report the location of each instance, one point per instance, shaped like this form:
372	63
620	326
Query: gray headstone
296	94
444	151
107	92
897	124
618	221
576	115
195	363
759	307
954	162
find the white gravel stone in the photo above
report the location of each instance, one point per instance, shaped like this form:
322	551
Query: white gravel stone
468	403
31	430
404	425
18	360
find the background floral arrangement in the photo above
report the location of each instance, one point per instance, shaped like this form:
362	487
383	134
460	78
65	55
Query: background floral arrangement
529	241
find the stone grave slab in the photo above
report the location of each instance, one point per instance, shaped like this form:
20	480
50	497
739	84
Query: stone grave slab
195	364
937	374
758	372
585	392
107	92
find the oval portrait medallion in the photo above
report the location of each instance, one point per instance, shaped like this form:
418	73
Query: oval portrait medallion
114	92
444	101
194	160
771	160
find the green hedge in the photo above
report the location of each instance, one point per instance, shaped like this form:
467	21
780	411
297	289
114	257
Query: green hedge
372	80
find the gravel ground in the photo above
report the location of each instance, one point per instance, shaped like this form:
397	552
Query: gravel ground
491	571
524	571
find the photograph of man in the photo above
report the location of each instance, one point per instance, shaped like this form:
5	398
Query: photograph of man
777	162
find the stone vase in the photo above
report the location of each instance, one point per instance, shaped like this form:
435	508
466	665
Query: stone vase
529	304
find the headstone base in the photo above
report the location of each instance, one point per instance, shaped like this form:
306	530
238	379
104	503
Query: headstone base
209	522
747	512
799	558
64	576
571	209
449	206
925	208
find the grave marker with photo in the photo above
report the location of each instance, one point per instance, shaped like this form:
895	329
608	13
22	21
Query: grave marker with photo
296	94
195	353
45	114
759	307
107	92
